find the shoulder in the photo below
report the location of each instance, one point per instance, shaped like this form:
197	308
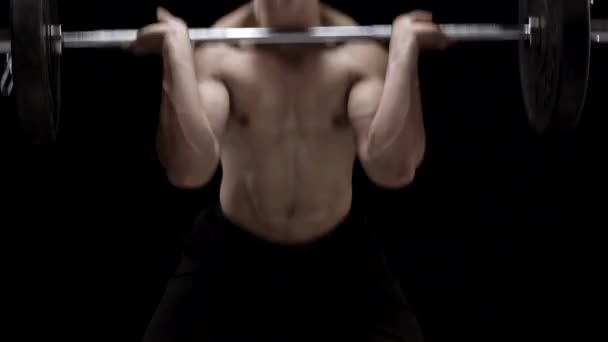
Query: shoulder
210	58
240	17
334	17
366	52
209	55
365	56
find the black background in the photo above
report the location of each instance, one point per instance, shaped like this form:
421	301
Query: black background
495	241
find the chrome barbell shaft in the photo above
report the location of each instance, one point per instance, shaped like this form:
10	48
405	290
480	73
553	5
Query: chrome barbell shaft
328	34
315	35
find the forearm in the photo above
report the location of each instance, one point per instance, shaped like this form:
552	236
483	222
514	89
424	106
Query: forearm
187	146
396	143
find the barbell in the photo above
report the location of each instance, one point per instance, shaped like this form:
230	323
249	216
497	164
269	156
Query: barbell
554	39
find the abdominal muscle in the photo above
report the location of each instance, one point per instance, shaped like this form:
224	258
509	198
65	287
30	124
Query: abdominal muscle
284	187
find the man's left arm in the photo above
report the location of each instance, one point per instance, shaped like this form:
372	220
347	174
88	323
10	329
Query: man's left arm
385	110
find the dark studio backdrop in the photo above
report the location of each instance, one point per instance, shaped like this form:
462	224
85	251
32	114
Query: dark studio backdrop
495	240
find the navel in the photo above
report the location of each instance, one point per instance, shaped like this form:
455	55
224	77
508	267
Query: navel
241	120
340	121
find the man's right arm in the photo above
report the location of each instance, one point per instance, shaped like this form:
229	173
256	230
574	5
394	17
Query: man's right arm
194	111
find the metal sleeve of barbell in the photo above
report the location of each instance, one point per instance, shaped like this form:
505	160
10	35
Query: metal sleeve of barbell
599	31
327	34
5	46
599	37
5	41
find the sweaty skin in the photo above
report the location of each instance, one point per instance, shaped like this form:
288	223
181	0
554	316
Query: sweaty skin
288	122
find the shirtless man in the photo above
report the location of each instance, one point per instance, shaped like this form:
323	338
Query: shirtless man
283	256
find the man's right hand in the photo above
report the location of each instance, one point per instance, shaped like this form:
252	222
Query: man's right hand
168	38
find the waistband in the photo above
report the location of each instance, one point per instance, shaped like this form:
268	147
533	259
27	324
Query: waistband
213	230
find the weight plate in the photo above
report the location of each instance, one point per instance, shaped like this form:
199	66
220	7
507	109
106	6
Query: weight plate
36	68
554	64
576	63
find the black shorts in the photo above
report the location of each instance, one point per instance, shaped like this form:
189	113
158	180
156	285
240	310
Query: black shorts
234	286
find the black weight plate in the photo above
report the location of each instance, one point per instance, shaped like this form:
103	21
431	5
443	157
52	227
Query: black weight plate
575	63
36	69
555	65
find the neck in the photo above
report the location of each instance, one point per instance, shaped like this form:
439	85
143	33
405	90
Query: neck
309	16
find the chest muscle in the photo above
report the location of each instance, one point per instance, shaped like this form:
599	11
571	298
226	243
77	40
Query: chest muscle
272	98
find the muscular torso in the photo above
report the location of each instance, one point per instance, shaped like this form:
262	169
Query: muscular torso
288	147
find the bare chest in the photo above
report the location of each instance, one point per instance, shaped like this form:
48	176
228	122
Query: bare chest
269	94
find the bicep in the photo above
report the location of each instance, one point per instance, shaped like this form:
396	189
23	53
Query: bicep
363	103
215	101
213	93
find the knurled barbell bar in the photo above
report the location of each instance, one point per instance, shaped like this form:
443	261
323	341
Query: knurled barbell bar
554	43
